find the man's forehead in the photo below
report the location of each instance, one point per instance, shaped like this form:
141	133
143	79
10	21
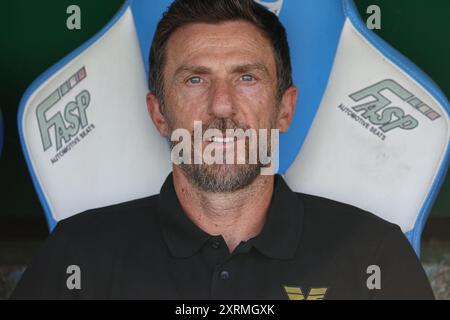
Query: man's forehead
232	39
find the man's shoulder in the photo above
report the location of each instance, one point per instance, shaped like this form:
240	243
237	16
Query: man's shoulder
117	219
350	240
324	208
343	220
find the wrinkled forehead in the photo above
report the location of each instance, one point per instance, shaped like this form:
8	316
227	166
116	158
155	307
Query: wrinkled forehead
214	45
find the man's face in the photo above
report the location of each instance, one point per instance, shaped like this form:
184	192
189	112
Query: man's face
225	76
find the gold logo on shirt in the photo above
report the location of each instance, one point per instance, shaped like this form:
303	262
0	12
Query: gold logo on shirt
296	293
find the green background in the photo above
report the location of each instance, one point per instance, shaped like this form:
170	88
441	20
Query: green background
33	36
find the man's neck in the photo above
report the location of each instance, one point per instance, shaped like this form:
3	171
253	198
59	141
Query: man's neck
237	216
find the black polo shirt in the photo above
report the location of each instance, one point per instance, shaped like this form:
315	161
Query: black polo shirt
309	248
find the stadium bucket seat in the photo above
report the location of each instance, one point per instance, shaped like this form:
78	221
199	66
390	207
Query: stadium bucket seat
370	128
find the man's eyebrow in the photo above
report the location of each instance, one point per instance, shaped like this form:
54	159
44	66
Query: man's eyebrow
250	67
191	69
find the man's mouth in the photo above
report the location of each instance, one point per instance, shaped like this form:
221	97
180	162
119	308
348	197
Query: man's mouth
221	142
222	139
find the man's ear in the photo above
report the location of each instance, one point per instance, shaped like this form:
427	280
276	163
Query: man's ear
287	108
155	114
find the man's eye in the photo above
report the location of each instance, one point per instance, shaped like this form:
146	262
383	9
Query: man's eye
194	80
247	77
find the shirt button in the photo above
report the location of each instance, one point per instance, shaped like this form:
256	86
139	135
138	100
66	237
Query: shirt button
216	244
224	275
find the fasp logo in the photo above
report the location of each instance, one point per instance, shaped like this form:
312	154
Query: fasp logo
380	111
64	125
379	115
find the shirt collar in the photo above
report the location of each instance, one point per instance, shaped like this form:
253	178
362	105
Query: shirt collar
278	239
280	235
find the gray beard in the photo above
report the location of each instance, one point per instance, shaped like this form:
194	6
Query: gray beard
221	178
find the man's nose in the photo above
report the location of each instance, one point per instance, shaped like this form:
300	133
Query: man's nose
221	100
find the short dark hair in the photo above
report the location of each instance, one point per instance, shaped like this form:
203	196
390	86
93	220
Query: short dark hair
182	12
